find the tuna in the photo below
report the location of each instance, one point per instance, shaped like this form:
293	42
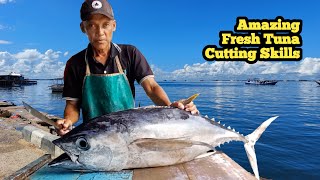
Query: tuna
147	137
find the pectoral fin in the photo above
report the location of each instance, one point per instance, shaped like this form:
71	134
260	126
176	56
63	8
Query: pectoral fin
152	144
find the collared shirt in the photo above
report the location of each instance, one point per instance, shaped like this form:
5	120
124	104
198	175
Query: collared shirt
132	62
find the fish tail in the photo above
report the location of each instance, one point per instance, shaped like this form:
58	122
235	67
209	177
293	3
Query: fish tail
252	139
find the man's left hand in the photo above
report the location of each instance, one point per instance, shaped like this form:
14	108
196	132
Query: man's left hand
191	107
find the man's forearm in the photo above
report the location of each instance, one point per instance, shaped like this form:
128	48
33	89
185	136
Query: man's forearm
72	112
159	96
155	92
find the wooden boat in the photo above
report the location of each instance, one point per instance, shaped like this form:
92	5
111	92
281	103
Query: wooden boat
15	79
57	88
58	85
29	82
6	83
260	82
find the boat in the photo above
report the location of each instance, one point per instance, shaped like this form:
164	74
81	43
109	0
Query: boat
58	85
6	83
57	88
256	81
15	79
318	82
29	82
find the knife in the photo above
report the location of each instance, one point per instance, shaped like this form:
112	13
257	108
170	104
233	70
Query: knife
39	115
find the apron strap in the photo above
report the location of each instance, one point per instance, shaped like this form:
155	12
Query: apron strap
119	65
87	64
120	70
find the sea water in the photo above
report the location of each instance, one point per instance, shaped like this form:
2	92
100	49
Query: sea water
288	149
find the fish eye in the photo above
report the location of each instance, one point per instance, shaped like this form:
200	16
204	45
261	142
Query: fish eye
82	144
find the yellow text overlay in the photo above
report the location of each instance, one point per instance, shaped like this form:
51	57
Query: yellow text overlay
253	39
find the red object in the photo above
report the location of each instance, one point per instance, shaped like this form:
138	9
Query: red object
15	116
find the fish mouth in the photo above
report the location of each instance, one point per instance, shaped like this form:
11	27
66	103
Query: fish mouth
67	156
64	161
73	157
60	160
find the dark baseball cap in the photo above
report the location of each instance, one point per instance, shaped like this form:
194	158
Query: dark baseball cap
90	7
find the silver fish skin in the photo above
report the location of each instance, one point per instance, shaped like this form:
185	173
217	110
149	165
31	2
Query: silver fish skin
147	137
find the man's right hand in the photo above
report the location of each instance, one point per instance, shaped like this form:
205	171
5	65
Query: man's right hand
65	126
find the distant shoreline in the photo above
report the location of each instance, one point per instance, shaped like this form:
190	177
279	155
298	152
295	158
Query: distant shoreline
202	80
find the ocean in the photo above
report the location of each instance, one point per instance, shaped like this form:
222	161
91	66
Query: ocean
288	149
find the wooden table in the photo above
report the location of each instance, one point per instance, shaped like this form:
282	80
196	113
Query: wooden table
216	166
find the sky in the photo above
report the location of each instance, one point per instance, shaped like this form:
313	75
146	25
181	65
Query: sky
38	37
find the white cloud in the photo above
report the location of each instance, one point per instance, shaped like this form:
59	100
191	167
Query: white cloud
6	1
50	54
32	63
5	55
29	54
6	27
2	61
21	66
5	42
35	64
159	73
307	68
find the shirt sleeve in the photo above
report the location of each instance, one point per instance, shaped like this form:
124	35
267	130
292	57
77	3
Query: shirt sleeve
142	69
72	86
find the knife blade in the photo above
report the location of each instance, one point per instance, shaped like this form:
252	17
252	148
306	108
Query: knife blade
39	115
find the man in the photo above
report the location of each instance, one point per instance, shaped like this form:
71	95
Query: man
100	79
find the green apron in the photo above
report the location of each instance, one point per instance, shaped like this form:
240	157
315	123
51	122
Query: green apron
105	93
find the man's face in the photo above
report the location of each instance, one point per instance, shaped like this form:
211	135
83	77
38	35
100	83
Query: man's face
99	30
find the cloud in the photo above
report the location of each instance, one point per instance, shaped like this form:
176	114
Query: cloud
2	62
5	55
6	1
50	54
6	27
29	54
308	68
5	42
32	63
48	64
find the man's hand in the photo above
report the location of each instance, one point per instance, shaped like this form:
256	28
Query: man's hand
65	126
188	107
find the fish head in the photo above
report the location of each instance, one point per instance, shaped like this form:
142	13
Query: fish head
84	152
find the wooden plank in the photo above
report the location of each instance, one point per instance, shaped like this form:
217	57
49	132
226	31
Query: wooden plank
161	173
216	166
30	168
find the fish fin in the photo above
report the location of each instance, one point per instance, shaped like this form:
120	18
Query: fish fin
209	153
191	98
252	139
154	144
